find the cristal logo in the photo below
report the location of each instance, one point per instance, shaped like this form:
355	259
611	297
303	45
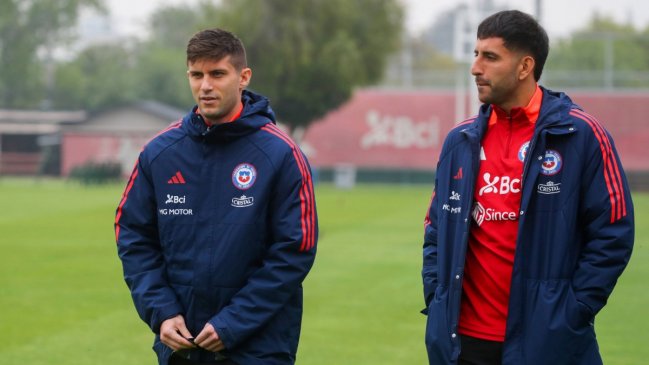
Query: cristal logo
549	188
480	215
243	201
175	199
500	185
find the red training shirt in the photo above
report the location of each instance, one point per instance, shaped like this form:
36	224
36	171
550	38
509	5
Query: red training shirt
496	206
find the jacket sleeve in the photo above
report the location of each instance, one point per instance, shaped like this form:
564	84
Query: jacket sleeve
139	249
429	270
608	224
289	255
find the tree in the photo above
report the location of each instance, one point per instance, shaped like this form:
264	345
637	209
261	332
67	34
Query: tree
100	76
171	26
161	69
27	27
307	56
113	74
162	75
604	53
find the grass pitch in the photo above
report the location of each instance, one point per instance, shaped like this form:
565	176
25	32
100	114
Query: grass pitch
63	300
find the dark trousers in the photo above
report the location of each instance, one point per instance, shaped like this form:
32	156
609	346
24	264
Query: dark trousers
475	351
178	360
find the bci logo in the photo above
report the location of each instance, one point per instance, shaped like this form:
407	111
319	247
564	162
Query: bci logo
399	132
175	199
500	185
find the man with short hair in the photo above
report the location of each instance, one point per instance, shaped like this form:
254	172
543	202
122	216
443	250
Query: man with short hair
217	227
531	220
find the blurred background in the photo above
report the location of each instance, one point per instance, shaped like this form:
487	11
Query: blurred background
368	88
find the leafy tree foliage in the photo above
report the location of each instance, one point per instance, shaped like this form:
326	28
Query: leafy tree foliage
27	27
307	56
172	26
109	75
161	75
161	72
425	56
604	53
101	76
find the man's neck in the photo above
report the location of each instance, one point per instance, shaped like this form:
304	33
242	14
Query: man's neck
522	98
234	115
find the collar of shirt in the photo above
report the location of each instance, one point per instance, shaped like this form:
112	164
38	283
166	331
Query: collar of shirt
234	117
528	113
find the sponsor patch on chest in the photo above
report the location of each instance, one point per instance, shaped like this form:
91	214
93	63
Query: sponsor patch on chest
244	176
243	201
549	188
552	163
175	205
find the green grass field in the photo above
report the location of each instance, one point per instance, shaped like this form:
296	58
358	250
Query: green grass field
63	300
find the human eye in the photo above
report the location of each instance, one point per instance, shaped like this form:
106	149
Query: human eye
217	73
491	56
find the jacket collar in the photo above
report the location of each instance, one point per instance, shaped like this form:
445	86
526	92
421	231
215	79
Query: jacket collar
526	114
554	107
255	114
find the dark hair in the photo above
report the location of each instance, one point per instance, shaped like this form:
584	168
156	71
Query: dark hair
520	32
216	44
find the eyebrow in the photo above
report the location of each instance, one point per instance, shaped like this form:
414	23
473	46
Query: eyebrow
215	70
486	52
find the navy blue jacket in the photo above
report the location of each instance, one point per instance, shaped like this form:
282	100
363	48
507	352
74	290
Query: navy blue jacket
220	225
575	236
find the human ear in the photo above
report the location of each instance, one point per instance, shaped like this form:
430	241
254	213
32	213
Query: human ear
244	77
526	67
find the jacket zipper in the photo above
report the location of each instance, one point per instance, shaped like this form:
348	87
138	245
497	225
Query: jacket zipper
456	292
207	130
509	136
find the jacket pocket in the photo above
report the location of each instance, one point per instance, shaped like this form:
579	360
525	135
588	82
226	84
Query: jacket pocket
554	319
438	333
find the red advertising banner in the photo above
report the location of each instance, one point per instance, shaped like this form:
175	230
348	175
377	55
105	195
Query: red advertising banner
406	129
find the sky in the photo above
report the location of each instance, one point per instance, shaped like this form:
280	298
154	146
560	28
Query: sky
559	17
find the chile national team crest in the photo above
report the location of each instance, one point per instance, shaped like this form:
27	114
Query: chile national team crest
244	176
522	152
552	163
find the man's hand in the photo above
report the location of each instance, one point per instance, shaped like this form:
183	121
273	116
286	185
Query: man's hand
174	333
209	340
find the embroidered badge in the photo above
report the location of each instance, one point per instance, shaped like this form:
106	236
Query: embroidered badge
522	152
552	163
244	176
243	201
549	188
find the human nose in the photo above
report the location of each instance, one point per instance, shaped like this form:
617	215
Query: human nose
206	84
476	69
